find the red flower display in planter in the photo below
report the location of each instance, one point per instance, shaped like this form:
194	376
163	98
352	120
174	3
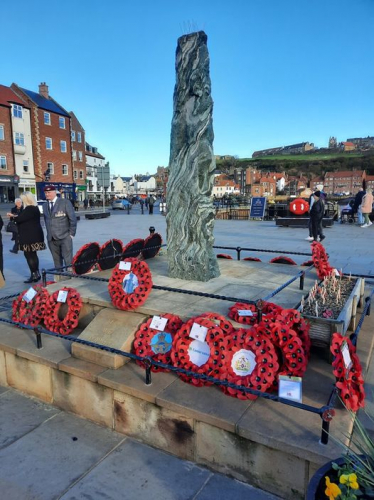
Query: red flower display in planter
130	288
203	357
349	378
52	320
30	313
155	343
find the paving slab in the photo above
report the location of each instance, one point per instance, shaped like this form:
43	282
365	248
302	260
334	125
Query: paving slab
220	487
20	415
154	475
44	463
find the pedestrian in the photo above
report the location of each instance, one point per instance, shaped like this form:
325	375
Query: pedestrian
85	203
91	203
151	202
61	224
316	215
30	232
16	210
310	237
146	203
357	206
367	207
141	201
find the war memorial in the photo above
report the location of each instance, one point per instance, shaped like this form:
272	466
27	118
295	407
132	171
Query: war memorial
237	365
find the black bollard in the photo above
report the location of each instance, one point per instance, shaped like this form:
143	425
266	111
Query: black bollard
302	276
38	338
44	277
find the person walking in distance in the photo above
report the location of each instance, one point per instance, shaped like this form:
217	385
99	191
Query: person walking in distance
151	202
16	210
61	225
367	207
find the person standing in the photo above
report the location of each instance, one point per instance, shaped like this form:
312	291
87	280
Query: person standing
61	225
357	206
16	210
311	201
30	233
151	202
367	207
85	203
316	215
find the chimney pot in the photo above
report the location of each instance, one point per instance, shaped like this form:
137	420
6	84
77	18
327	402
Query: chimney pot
43	90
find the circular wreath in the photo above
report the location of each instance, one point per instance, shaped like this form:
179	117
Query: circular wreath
30	313
265	359
307	263
180	356
349	382
152	246
143	285
86	258
70	321
320	260
253	259
224	256
282	259
267	308
110	254
132	249
225	325
161	349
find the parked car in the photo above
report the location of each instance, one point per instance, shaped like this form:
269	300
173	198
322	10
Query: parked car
121	204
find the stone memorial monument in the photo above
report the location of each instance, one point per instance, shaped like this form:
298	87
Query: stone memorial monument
190	218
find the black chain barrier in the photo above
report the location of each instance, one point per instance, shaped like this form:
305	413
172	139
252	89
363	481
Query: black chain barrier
148	361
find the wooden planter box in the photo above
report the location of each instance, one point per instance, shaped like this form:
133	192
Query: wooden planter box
321	329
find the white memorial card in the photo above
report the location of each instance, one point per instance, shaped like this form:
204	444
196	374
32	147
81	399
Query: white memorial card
198	332
245	312
199	352
290	388
158	323
62	296
346	356
124	266
29	295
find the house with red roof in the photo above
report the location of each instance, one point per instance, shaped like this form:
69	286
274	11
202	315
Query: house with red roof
16	152
346	181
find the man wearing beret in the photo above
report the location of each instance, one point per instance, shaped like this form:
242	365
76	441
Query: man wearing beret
61	225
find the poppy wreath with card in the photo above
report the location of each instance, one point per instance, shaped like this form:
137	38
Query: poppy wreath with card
128	294
52	319
214	352
86	258
320	260
268	308
155	343
221	321
349	380
253	355
30	313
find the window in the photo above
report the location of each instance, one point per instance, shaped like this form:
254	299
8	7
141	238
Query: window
3	162
81	174
79	137
63	146
65	170
74	155
51	168
25	166
75	174
1	132
48	143
47	118
17	111
61	122
19	139
80	155
73	135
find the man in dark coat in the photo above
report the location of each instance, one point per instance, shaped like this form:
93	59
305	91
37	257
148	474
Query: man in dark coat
316	215
357	206
61	225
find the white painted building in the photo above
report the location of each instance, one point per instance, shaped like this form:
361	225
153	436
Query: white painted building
93	160
22	144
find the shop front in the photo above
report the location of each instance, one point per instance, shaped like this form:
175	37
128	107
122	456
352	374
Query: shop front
26	185
8	188
80	192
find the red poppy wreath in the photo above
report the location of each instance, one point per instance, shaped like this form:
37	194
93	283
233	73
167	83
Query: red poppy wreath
320	260
156	343
349	378
130	284
72	299
30	311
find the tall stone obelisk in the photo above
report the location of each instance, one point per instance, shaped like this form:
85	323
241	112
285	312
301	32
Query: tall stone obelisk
190	218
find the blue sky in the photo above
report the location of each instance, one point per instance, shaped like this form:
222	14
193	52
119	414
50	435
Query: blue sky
282	71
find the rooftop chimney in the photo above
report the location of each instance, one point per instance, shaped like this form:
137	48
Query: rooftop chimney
43	90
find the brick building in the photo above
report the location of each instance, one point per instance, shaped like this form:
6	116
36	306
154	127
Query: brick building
51	141
78	151
8	184
344	182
